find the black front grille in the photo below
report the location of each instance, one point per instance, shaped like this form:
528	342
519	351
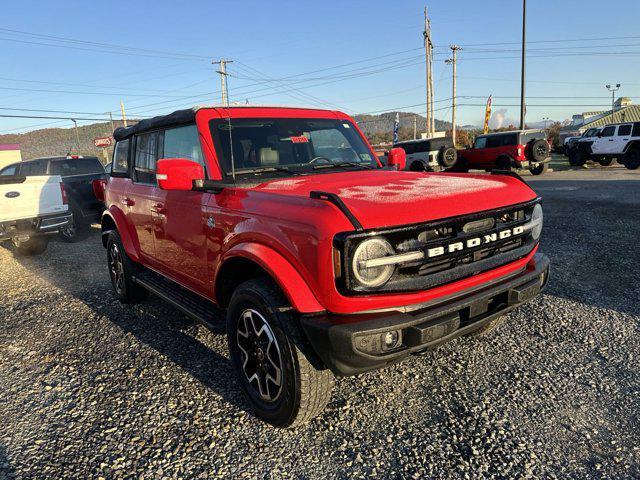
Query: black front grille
445	260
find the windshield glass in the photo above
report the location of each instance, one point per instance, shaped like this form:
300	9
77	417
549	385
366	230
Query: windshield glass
280	146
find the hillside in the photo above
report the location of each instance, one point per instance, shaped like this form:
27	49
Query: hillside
61	141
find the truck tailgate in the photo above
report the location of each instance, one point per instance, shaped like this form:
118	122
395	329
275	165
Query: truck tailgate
30	197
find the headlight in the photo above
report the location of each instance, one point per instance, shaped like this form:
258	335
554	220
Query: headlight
536	222
370	249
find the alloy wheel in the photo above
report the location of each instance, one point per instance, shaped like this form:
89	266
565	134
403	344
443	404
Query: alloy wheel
261	358
116	268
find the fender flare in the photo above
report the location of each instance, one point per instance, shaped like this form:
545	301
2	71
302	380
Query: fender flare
129	240
294	287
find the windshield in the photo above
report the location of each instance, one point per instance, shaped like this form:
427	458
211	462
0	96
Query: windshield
288	146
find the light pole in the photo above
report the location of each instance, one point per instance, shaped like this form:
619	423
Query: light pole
545	120
613	90
522	68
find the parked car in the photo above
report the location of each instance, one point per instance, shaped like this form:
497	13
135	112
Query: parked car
570	141
619	141
78	174
429	154
326	263
516	149
30	208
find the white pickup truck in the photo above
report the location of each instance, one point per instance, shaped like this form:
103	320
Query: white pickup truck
30	208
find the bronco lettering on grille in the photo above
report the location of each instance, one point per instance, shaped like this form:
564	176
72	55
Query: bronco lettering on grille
474	242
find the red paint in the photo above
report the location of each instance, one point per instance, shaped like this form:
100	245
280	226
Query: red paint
188	235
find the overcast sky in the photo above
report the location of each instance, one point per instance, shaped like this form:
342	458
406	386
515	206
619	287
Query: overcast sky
358	56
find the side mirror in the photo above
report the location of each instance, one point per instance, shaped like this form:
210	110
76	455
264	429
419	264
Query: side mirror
397	157
99	185
178	173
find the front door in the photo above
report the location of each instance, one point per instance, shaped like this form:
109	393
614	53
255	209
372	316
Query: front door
605	143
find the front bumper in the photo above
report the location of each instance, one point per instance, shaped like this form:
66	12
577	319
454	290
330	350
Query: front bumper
352	344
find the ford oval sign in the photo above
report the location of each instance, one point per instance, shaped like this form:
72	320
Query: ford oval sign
12	194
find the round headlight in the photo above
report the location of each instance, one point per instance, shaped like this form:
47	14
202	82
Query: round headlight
536	222
370	249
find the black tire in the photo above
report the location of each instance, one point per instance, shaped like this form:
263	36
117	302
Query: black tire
488	327
539	169
266	344
76	230
33	246
121	270
503	162
417	166
576	157
605	162
631	159
538	150
447	157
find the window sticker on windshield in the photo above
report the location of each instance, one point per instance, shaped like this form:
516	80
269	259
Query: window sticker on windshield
346	125
365	157
300	139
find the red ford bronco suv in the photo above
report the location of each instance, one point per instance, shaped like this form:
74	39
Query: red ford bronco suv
507	150
326	262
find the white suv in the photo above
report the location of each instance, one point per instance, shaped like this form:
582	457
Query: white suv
620	141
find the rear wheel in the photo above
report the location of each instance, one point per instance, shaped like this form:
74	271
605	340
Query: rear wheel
632	159
539	169
32	246
503	163
76	230
284	383
121	270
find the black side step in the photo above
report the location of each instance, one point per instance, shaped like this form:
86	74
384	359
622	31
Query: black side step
192	304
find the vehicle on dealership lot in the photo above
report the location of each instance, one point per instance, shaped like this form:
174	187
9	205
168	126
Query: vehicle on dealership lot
516	149
620	141
81	177
570	141
326	262
429	154
31	208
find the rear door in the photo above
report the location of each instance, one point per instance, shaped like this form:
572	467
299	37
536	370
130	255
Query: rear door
473	155
623	135
143	196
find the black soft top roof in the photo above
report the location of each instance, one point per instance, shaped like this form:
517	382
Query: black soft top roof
179	117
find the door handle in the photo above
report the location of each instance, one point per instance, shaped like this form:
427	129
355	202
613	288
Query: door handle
128	202
611	139
159	208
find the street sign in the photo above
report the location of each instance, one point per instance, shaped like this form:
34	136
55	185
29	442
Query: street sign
103	142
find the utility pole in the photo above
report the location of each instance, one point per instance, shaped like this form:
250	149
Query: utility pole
613	89
428	49
415	127
75	126
124	115
452	61
111	120
223	79
522	72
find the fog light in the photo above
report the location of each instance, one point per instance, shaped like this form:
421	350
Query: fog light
391	340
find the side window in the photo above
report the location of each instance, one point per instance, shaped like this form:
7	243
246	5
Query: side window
636	129
10	170
624	130
510	140
183	142
481	142
120	164
495	141
609	131
30	169
146	157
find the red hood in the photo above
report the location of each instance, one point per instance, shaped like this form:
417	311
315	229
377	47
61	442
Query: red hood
384	198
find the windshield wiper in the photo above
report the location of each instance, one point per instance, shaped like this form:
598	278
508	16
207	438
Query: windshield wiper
343	165
257	171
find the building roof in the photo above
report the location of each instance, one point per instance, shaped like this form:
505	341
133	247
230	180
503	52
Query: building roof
622	115
9	146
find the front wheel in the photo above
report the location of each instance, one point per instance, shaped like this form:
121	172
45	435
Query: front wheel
285	385
32	246
576	158
539	168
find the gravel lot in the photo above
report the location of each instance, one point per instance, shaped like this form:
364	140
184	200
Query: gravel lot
90	388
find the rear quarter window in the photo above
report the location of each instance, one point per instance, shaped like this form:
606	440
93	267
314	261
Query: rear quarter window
120	163
75	166
636	129
527	137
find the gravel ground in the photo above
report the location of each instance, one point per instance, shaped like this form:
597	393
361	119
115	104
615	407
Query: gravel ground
90	388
